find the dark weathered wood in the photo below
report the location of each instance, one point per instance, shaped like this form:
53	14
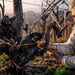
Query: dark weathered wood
63	18
54	36
56	14
2	10
51	6
2	69
65	32
18	13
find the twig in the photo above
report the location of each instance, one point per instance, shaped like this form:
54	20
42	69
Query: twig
4	68
29	31
55	21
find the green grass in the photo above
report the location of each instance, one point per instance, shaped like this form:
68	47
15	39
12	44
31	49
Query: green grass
61	72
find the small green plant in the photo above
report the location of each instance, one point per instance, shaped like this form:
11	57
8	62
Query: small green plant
36	74
53	70
61	72
47	70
